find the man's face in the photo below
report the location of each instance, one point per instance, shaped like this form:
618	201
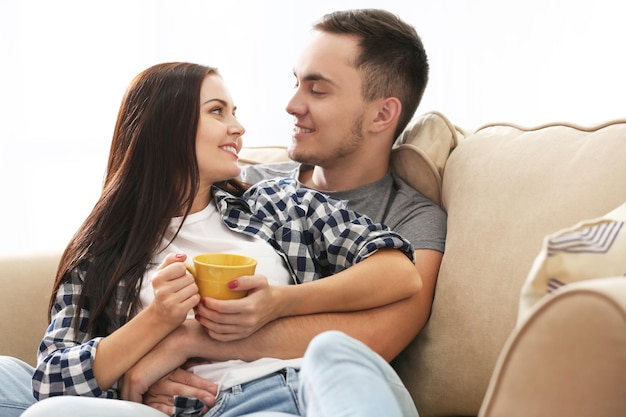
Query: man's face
328	106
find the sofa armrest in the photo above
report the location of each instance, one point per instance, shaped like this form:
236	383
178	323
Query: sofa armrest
568	358
26	282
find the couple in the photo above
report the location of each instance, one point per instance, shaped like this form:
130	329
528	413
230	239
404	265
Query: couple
122	289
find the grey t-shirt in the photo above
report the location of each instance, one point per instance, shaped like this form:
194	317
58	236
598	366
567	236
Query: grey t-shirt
390	201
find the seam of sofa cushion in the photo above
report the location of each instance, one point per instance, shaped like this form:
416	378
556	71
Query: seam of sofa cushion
592	128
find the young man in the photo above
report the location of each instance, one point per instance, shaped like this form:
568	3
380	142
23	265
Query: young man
359	83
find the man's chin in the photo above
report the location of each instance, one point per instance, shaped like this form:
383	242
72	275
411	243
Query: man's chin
293	153
297	154
298	157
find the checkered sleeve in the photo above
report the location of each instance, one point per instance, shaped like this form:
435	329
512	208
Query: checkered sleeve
316	233
66	354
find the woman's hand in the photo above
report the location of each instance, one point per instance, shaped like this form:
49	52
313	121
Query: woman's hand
175	290
175	295
227	320
168	355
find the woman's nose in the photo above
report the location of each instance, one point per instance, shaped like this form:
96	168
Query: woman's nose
236	127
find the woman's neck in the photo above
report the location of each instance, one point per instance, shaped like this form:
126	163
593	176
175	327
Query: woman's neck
201	200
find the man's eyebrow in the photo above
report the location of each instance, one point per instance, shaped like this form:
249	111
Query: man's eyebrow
315	76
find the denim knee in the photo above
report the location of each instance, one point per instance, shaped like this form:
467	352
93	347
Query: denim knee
16	392
331	346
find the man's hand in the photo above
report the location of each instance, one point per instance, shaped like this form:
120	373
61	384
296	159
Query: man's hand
180	383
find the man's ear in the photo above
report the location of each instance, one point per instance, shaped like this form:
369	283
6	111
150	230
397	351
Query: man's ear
388	114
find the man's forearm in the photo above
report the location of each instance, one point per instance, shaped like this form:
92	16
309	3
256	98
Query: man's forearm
387	330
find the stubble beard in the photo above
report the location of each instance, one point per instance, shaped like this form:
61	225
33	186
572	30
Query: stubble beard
345	147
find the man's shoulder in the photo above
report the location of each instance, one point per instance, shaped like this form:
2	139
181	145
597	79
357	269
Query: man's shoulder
417	218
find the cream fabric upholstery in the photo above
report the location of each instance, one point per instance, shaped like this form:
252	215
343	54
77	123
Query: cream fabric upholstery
420	154
25	286
568	358
591	249
252	155
504	189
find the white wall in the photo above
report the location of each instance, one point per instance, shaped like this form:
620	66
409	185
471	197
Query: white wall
65	65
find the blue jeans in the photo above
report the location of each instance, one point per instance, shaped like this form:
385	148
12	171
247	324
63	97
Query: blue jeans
16	393
340	376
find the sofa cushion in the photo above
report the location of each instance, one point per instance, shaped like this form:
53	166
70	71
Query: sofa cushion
419	155
591	249
252	155
505	188
26	282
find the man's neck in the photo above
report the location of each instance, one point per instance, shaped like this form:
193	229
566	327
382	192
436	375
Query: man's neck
342	178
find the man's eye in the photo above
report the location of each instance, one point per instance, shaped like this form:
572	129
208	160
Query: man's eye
317	92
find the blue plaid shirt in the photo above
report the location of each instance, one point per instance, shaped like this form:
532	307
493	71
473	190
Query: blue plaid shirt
315	234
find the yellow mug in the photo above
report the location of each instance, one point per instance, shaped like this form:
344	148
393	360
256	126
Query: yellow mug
213	272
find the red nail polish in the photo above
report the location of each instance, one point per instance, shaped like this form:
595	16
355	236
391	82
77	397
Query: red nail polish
233	284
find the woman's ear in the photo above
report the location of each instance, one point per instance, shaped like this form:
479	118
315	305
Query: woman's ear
388	114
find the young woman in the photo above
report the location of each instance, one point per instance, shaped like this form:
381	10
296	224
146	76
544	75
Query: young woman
169	193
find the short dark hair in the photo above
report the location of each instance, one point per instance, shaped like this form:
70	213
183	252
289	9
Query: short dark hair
392	58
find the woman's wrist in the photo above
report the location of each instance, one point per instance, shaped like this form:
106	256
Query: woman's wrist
284	305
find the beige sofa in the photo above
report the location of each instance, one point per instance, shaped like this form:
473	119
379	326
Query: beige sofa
505	188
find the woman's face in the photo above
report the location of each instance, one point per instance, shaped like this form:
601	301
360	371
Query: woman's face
218	139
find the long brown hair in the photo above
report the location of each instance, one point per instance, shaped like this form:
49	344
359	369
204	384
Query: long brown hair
152	175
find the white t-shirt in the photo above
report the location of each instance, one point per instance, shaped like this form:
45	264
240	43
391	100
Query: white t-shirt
204	232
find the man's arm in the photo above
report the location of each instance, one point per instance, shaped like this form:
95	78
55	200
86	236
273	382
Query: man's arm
387	330
356	288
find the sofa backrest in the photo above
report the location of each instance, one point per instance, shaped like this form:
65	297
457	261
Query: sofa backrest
26	282
504	188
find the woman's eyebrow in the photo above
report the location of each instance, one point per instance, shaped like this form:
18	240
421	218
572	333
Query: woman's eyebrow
221	101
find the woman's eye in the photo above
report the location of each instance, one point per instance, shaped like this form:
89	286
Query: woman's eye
217	110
